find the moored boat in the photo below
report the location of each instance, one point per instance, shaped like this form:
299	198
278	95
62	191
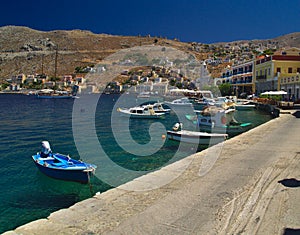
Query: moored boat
53	94
195	137
182	102
61	166
141	112
244	105
158	108
218	120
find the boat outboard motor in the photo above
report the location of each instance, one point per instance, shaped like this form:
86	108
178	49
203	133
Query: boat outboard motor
46	150
177	126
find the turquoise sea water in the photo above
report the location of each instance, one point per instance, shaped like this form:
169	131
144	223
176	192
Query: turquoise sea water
26	194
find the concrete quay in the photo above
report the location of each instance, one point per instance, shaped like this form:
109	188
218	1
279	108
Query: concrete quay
249	184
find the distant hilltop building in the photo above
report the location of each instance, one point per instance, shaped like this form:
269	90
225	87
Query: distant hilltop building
204	77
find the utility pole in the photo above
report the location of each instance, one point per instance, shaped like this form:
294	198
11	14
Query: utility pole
42	63
55	66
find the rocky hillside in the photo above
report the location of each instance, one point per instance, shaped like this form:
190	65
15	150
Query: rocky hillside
24	50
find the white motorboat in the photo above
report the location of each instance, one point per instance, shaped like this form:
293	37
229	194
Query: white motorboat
194	137
185	102
140	112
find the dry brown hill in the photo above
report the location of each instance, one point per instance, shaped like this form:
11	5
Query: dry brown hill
24	50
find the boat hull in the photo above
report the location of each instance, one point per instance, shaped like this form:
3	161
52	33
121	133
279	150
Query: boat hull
245	107
54	97
229	129
126	113
194	137
78	174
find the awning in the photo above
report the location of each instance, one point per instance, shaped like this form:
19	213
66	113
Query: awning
274	93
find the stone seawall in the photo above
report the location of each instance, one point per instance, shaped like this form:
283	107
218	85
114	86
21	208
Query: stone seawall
233	187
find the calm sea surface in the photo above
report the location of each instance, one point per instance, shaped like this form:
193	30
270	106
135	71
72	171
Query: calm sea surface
27	195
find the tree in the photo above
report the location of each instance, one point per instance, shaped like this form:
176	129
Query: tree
214	89
225	89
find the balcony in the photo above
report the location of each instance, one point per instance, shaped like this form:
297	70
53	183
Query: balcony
245	81
261	77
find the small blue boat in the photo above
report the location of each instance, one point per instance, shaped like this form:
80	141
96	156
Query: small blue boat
61	166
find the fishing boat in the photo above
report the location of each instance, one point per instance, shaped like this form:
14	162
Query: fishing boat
218	120
158	108
61	166
194	137
140	112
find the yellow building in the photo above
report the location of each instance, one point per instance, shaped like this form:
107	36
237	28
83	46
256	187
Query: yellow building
272	72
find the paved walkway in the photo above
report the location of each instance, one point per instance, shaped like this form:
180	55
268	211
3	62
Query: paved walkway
253	188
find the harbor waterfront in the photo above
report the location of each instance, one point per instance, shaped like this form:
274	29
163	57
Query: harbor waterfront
252	189
28	195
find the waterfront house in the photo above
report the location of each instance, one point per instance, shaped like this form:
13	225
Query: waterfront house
61	84
113	87
160	88
145	87
273	72
67	78
145	79
79	80
240	76
18	79
41	78
49	84
135	77
87	88
30	79
14	87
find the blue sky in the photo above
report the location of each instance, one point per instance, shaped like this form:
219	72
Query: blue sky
205	21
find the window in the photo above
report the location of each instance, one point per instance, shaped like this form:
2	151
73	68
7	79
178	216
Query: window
298	70
278	70
290	70
269	72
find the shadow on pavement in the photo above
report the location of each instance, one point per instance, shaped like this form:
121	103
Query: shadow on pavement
296	114
291	183
291	231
